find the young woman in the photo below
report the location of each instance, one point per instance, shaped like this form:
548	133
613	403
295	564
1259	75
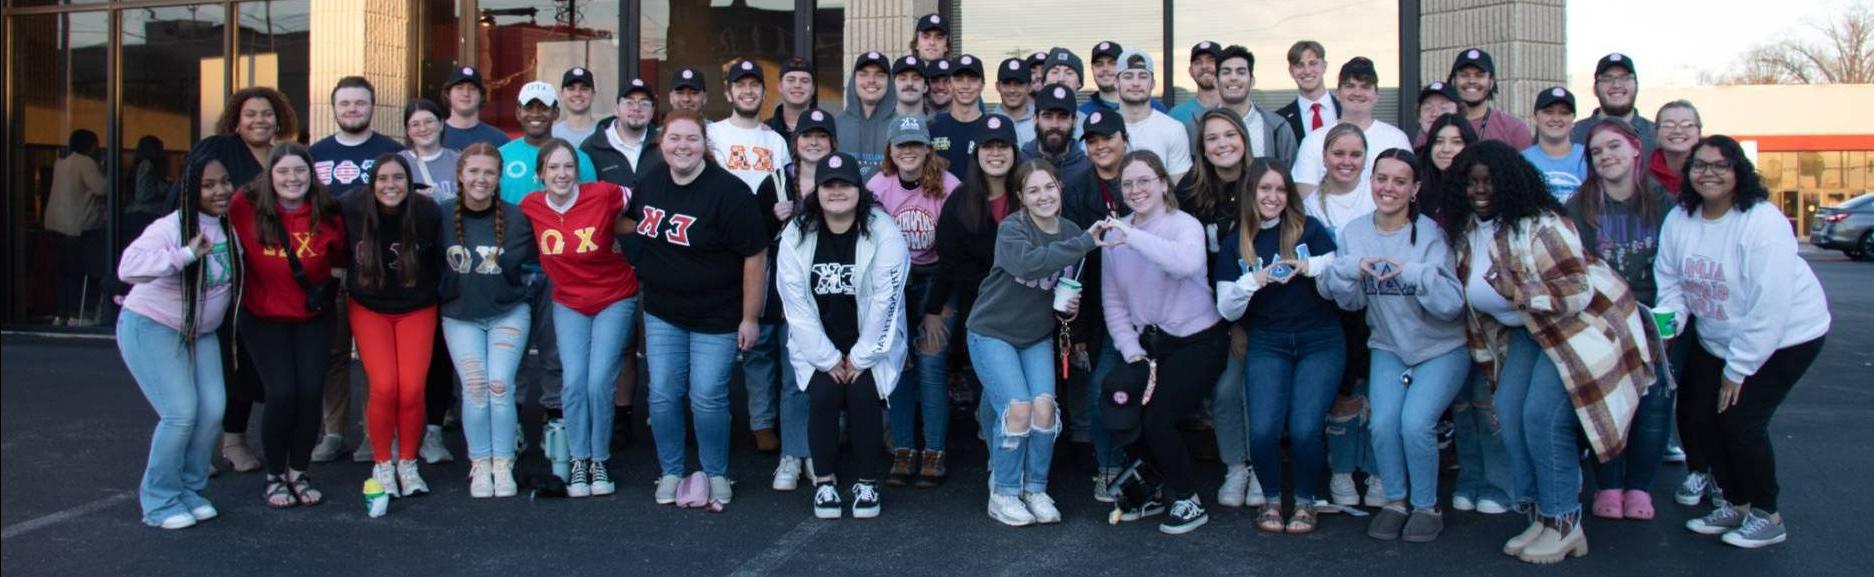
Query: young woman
704	262
1618	212
182	269
594	299
1010	346
293	241
485	316
841	271
392	311
1450	133
1677	128
966	231
912	186
1729	261
1392	263
435	165
814	138
1555	331
1210	193
1343	195
1158	312
1296	348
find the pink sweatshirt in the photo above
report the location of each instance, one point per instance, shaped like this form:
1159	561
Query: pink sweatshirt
915	212
154	263
1158	277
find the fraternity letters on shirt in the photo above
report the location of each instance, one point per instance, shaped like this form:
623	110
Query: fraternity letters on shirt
833	279
343	173
1702	280
460	258
750	154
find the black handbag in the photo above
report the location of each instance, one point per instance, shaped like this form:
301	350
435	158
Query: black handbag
319	296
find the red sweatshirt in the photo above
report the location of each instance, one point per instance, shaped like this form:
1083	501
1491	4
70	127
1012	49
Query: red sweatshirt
1668	175
578	249
269	291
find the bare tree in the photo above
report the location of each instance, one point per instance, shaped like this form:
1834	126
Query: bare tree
1842	52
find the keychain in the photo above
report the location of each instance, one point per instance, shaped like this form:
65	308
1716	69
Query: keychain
1064	342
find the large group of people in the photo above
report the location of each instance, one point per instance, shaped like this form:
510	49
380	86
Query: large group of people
1313	283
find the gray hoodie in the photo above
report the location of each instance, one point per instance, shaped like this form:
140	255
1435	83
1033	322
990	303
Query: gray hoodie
1016	301
861	136
1417	314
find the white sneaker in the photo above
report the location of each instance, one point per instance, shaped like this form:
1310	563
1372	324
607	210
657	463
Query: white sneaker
1462	503
177	521
666	489
433	451
1009	510
1041	506
1491	507
1255	497
481	479
1375	492
504	477
1100	482
328	448
1235	484
1342	491
720	490
601	479
1674	453
386	475
204	513
408	479
787	475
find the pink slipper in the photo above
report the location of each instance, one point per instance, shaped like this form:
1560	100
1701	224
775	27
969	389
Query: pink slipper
1607	504
1639	505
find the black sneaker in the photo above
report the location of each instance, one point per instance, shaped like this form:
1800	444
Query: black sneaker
1153	505
864	500
579	483
1186	515
826	501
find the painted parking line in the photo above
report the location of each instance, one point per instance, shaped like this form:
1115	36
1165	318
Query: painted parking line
782	549
30	525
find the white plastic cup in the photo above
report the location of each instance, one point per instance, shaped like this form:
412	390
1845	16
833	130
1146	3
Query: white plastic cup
1064	292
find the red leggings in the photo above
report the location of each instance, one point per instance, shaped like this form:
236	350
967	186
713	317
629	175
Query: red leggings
396	351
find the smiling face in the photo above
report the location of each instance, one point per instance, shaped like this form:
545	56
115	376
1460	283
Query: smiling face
683	146
813	145
940	91
537	119
423	128
1105	73
351	107
910	86
1555	122
1203	71
1474	85
1135	86
1054	128
1308	71
745	96
391	185
257	126
966	90
909	158
480	177
1679	130
1395	185
796	88
870	81
1143	189
577	98
1346	158
932	44
1234	81
559	171
1481	191
1106	151
1446	145
1014	94
686	98
1223	144
292	178
1041	195
215	190
1614	156
1616	89
1358	96
1271	195
838	198
1712	175
996	158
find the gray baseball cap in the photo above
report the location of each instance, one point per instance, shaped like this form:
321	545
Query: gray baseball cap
907	129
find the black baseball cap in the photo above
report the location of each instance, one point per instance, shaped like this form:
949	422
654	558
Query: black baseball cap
1064	57
1555	95
967	64
1475	57
745	68
933	22
464	74
1107	48
690	78
837	166
796	64
815	119
1036	60
1613	60
577	75
1238	51
996	127
638	85
1214	49
939	68
1360	67
908	63
871	59
1104	123
1122	395
1012	70
1439	88
1056	97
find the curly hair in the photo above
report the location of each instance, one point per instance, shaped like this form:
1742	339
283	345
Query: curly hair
1211	199
1518	190
931	182
287	125
1750	189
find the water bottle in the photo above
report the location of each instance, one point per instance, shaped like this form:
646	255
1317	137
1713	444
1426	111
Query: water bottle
376	501
557	449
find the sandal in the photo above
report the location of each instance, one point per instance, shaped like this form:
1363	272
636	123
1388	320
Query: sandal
278	495
1303	521
1270	519
303	491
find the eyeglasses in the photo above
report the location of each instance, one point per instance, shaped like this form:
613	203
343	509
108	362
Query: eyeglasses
1136	184
1612	79
1719	166
1680	125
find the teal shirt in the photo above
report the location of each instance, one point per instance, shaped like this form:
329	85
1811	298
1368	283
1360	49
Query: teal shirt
1187	112
518	159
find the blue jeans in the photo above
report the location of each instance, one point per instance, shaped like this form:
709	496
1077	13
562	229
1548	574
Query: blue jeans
760	366
1292	375
590	348
544	368
487	354
1229	413
1405	420
1350	437
1104	453
187	392
1635	469
1022	449
931	388
1539	429
1483	464
693	364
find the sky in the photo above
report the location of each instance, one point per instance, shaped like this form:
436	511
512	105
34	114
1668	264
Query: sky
1672	41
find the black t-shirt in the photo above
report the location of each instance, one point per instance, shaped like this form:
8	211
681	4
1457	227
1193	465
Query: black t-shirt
1293	306
391	296
1219	221
834	288
695	238
342	167
954	140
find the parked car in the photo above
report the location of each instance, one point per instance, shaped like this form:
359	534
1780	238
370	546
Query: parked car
1848	227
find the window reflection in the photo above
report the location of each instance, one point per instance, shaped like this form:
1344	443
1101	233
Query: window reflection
1347	28
997	29
708	34
59	258
520	41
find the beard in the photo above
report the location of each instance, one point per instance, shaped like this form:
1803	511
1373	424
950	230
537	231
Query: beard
360	126
749	112
1617	112
1054	141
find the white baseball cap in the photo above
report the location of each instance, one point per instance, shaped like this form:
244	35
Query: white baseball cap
541	91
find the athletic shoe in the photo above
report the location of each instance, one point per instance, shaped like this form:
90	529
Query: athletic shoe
1758	531
504	477
1101	480
666	492
1675	453
1491	507
432	451
1721	520
386	475
481	479
1235	484
579	482
1154	505
204	513
1463	503
328	448
1342	491
1254	498
1693	488
1042	507
177	521
602	479
1186	516
864	500
720	490
408	479
826	501
1375	492
787	475
1009	510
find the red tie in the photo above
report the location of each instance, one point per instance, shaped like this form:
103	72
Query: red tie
1316	107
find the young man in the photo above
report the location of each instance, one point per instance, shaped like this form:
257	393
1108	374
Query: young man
576	122
1268	136
1563	163
1203	71
687	90
1054	134
741	143
908	86
864	124
1063	68
953	133
1037	70
343	160
1012	83
464	93
1474	73
938	73
1106	80
1146	128
1358	91
1435	100
625	147
796	96
539	107
1617	86
1313	109
933	38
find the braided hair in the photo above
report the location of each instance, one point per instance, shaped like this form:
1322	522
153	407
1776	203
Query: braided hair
461	199
195	275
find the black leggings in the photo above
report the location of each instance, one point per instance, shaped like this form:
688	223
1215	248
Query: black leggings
865	424
1188	368
291	360
239	380
1737	441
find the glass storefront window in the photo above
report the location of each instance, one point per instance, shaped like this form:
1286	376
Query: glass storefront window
831	67
1267	28
440	32
273	51
996	29
708	34
520	41
58	196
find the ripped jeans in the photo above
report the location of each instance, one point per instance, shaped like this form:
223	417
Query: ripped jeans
1019	382
487	354
1483	463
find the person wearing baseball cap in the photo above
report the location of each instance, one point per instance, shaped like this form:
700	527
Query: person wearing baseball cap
909	87
1314	108
1203	71
747	148
539	106
1012	83
1107	140
932	42
1562	162
1436	99
952	131
1474	73
1147	128
576	123
1106	79
464	93
865	122
688	90
625	145
1617	86
1037	69
797	92
1057	134
938	72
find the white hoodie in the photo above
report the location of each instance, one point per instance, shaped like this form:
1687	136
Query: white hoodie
1741	278
879	257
